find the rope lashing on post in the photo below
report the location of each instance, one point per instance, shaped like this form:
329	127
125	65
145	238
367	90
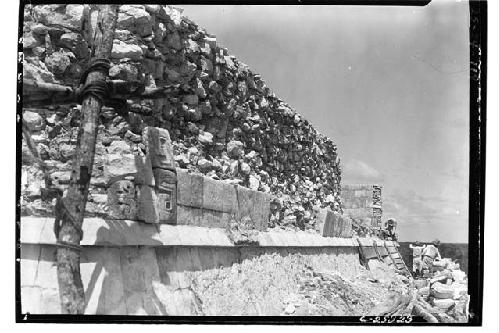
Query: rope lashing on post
99	89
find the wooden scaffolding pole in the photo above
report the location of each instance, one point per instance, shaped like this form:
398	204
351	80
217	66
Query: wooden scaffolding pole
39	94
70	209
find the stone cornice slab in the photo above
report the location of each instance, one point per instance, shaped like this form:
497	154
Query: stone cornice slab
101	232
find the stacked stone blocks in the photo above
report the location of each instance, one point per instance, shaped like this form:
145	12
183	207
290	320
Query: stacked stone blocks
363	203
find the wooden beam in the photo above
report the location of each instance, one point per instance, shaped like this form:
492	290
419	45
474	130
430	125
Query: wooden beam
39	94
68	232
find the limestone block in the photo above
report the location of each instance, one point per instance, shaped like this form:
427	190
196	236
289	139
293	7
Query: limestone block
136	19
31	300
123	50
189	189
177	302
191	237
219	196
215	219
33	120
159	147
46	280
443	303
172	263
442	291
254	205
234	148
324	222
166	207
218	237
331	224
187	215
122	200
166	194
147	200
76	43
59	61
264	239
164	179
139	272
102	281
118	166
71	19
342	227
29	42
424	292
144	175
458	275
30	254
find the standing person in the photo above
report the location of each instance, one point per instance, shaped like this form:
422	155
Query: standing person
431	253
417	258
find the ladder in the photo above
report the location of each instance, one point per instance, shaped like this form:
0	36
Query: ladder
396	258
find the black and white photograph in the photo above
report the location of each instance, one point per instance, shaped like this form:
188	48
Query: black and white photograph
253	163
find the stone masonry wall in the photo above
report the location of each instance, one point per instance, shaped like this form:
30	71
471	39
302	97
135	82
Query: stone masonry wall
224	122
363	204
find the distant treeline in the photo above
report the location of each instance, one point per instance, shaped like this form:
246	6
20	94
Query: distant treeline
455	251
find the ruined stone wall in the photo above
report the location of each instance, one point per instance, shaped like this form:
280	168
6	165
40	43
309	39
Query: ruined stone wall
363	204
223	120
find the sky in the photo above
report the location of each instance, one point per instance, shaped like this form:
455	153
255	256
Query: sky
389	85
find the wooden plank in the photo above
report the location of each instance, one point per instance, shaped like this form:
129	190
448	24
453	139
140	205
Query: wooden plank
392	250
382	251
369	252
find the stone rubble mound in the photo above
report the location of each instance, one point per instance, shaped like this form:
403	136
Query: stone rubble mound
224	121
445	292
274	284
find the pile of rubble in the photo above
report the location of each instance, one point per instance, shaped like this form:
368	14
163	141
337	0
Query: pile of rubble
223	119
332	294
296	285
443	294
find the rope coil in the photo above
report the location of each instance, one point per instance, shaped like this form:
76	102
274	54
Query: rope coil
100	64
98	89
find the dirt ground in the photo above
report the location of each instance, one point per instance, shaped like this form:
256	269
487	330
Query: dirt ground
289	285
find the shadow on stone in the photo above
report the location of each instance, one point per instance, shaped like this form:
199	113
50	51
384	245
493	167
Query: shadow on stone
121	278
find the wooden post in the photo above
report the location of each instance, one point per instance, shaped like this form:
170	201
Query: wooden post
68	257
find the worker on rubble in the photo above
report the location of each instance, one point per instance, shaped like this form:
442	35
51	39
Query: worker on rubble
417	258
390	230
429	254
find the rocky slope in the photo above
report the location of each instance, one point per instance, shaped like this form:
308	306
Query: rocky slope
224	121
292	285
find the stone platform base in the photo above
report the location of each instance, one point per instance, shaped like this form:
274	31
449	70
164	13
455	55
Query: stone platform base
131	268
